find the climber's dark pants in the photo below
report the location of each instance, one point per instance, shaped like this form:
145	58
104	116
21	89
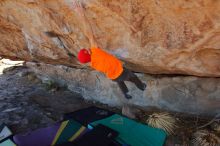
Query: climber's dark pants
128	75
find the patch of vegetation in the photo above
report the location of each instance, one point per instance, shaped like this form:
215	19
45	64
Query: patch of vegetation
53	86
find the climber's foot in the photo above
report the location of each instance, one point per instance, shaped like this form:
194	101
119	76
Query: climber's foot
127	96
143	87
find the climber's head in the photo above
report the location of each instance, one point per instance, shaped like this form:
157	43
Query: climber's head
84	56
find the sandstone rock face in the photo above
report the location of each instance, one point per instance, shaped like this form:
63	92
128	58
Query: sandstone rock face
150	36
183	94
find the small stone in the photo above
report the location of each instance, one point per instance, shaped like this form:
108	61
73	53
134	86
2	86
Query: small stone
31	77
24	121
10	110
48	113
129	111
22	74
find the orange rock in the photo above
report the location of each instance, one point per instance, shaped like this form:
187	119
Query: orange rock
158	37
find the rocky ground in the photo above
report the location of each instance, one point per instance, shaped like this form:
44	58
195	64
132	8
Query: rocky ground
26	104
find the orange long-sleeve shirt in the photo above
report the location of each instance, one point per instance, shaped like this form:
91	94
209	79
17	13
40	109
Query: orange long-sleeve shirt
106	63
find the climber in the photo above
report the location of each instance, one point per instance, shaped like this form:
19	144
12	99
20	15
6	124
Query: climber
103	61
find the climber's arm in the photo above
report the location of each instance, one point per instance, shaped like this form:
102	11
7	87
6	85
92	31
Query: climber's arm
87	29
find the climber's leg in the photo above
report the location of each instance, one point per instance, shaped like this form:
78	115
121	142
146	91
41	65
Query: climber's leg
120	81
134	79
124	89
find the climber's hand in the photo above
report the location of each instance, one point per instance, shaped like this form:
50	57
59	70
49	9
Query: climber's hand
78	7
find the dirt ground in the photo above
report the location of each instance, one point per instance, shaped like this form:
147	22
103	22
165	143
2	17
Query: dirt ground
27	104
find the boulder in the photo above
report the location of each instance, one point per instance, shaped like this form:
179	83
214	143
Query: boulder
187	94
156	37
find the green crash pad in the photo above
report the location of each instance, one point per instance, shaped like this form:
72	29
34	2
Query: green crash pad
132	132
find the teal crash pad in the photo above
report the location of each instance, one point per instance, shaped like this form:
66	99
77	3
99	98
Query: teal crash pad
7	143
132	132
